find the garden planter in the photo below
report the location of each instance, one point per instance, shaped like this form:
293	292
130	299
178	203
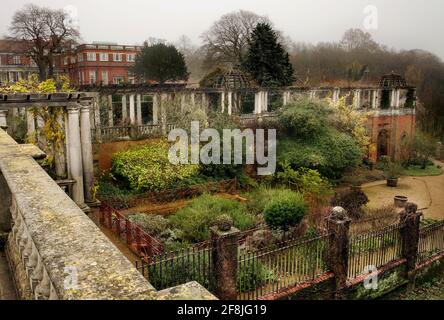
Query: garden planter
392	182
400	201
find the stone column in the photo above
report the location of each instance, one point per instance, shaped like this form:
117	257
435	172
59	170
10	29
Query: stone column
338	225
182	102
124	113
110	111
139	109
60	154
336	95
224	240
87	155
163	113
132	110
155	109
264	106
257	104
374	99
222	101
75	155
3	122
410	219
193	100
357	98
204	101
397	98
230	102
30	123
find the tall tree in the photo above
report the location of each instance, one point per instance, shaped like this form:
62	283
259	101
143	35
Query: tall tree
160	62
46	33
266	60
226	42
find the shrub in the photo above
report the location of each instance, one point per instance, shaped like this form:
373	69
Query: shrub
304	118
147	168
303	180
200	214
253	275
258	199
119	198
285	210
155	225
352	201
330	154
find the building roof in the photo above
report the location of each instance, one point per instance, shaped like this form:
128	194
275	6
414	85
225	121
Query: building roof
12	46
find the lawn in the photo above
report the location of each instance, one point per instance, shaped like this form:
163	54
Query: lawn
417	171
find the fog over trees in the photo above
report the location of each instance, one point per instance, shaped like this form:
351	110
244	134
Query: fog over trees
356	59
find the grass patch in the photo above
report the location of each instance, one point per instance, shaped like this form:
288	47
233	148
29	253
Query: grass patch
417	171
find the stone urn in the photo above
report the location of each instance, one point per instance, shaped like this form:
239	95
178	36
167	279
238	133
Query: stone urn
401	201
224	222
392	182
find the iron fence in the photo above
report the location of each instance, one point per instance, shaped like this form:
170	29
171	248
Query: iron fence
140	242
170	269
374	249
431	241
280	266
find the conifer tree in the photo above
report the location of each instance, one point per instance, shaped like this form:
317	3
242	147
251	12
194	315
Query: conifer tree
266	60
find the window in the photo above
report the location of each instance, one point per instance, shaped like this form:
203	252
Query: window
117	57
117	80
105	78
91	56
16	60
131	57
104	56
65	61
92	77
80	57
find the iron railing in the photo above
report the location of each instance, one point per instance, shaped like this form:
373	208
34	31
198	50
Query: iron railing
374	249
266	271
431	241
140	242
170	269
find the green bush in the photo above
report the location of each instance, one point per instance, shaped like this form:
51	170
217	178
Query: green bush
114	195
147	168
330	153
253	275
199	215
304	118
154	225
303	180
285	210
259	198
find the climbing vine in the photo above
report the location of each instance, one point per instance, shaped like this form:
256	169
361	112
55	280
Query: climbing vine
50	131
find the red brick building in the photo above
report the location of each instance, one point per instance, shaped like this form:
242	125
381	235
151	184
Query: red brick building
15	64
100	64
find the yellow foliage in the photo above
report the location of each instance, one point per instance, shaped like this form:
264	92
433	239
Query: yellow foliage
352	121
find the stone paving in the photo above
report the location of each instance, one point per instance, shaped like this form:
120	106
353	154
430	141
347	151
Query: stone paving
426	192
7	290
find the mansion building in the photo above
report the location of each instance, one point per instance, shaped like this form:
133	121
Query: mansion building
85	64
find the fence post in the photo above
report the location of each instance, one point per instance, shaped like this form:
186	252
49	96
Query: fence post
224	244
410	220
338	225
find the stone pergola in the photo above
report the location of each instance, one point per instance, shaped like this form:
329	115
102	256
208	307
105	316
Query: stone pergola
74	162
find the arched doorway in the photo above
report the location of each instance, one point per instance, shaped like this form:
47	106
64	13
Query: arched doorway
383	143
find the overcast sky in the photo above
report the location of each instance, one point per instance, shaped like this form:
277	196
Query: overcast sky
402	24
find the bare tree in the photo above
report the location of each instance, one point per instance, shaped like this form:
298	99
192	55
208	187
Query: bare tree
45	33
227	39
